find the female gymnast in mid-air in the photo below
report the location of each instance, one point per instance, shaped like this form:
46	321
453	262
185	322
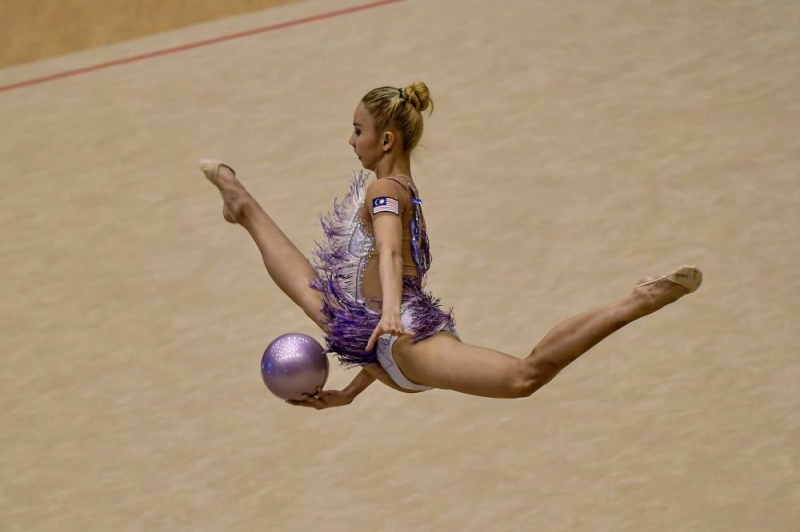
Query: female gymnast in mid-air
365	286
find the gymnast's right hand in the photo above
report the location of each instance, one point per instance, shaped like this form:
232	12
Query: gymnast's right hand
324	399
390	323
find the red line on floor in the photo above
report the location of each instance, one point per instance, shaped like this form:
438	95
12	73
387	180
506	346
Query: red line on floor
198	44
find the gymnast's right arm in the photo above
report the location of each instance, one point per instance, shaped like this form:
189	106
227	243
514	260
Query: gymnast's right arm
328	399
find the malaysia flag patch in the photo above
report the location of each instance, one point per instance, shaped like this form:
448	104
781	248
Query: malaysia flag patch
385	204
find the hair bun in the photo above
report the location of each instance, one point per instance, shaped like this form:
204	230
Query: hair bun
419	96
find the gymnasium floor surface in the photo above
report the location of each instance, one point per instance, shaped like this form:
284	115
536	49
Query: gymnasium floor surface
574	148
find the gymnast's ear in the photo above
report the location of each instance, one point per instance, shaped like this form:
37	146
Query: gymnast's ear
388	141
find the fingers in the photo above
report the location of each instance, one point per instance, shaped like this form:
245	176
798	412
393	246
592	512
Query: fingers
393	329
310	401
318	401
372	339
400	330
396	327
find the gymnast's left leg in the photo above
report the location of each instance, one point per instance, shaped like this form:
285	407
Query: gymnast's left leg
286	265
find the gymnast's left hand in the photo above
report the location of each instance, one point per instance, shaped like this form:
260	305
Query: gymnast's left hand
323	399
390	323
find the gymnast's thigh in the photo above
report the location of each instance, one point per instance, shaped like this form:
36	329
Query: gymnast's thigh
443	361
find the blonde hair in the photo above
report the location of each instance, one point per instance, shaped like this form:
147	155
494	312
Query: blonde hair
400	109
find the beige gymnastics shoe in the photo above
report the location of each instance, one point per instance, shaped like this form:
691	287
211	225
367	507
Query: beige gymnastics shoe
210	168
688	277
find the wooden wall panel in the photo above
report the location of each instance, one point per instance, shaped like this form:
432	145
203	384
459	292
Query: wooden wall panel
38	29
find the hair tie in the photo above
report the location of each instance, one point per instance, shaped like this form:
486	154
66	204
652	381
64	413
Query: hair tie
402	94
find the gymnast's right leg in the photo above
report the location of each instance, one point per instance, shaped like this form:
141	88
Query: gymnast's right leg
442	361
287	266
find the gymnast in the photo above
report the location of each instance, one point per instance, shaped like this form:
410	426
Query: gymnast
364	286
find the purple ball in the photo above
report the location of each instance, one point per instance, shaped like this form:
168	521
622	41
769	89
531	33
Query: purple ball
294	364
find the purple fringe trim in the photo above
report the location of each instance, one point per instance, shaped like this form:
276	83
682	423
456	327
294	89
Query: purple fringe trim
351	323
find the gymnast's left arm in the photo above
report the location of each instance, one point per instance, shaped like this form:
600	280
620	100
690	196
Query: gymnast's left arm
388	241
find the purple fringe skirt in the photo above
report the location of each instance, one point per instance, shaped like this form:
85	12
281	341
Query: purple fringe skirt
350	323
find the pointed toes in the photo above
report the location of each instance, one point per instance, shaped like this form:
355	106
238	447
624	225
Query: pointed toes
690	277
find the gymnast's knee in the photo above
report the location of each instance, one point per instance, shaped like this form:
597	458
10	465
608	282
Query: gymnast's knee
531	376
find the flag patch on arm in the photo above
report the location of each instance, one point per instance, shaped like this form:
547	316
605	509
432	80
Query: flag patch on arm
385	204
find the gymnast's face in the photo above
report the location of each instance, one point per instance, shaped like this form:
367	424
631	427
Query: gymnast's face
365	140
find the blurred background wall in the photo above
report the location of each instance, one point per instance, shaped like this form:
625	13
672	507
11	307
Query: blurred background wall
36	29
